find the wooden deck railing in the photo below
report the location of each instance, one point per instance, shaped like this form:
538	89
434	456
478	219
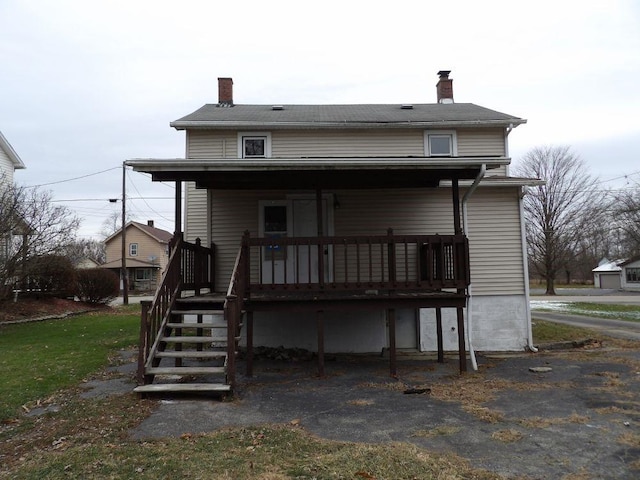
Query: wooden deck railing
190	267
233	308
388	262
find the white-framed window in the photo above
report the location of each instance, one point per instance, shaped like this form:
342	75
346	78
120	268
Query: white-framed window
440	143
254	145
633	275
133	249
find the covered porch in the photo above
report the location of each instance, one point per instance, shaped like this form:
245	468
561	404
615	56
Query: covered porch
321	273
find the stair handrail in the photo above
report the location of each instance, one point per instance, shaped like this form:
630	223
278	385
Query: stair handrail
155	313
234	306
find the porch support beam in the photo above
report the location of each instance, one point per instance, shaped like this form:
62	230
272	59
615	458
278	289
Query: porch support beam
178	208
320	223
320	327
439	335
249	343
391	320
455	193
462	353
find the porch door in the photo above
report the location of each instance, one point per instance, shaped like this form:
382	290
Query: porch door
305	224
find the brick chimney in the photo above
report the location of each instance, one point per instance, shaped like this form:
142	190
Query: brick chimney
225	91
150	223
445	87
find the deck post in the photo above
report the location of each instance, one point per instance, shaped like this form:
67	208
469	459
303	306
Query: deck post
143	345
320	326
249	343
462	352
391	319
439	335
320	225
178	208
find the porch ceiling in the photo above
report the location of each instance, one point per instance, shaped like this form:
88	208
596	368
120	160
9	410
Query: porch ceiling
326	173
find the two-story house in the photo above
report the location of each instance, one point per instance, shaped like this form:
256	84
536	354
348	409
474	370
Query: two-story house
146	254
9	162
354	228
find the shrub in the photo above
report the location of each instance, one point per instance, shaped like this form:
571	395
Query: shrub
50	275
97	285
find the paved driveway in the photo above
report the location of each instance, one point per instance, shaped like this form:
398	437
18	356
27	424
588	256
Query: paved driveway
503	418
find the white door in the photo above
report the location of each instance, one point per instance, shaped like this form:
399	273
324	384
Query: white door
296	217
305	224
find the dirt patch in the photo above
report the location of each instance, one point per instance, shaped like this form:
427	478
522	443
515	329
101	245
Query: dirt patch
27	308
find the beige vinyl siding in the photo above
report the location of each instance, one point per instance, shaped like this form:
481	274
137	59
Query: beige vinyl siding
495	242
195	222
494	229
337	143
473	142
212	144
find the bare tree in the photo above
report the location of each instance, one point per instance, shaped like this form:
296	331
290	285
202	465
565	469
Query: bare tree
113	223
31	225
626	212
559	213
86	248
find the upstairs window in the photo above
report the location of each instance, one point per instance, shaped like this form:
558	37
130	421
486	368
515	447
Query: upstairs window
133	249
440	143
254	145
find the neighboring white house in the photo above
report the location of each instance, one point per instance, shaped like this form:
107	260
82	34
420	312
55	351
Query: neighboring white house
618	274
9	160
263	168
631	274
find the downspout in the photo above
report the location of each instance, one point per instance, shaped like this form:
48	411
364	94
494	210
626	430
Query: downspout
465	227
525	267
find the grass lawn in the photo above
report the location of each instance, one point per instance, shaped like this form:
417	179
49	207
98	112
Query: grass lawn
629	313
41	358
547	332
89	438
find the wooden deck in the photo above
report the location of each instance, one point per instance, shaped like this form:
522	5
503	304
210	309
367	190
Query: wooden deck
383	273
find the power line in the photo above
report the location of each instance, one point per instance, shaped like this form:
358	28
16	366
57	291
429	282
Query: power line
73	179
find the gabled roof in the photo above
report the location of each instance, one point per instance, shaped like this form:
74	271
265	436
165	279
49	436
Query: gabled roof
609	266
6	147
346	116
161	236
630	260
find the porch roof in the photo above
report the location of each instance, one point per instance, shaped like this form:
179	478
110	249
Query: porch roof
309	173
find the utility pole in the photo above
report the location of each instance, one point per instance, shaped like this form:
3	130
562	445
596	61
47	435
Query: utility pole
123	236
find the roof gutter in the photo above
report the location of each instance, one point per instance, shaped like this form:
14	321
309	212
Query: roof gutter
465	227
235	124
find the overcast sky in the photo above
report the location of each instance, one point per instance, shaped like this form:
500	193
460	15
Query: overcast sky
85	85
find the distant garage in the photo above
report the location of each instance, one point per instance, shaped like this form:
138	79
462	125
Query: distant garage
608	274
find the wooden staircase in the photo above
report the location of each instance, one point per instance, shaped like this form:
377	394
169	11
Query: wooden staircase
191	353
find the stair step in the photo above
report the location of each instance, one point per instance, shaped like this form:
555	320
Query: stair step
196	325
217	313
190	339
183	370
182	387
190	354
